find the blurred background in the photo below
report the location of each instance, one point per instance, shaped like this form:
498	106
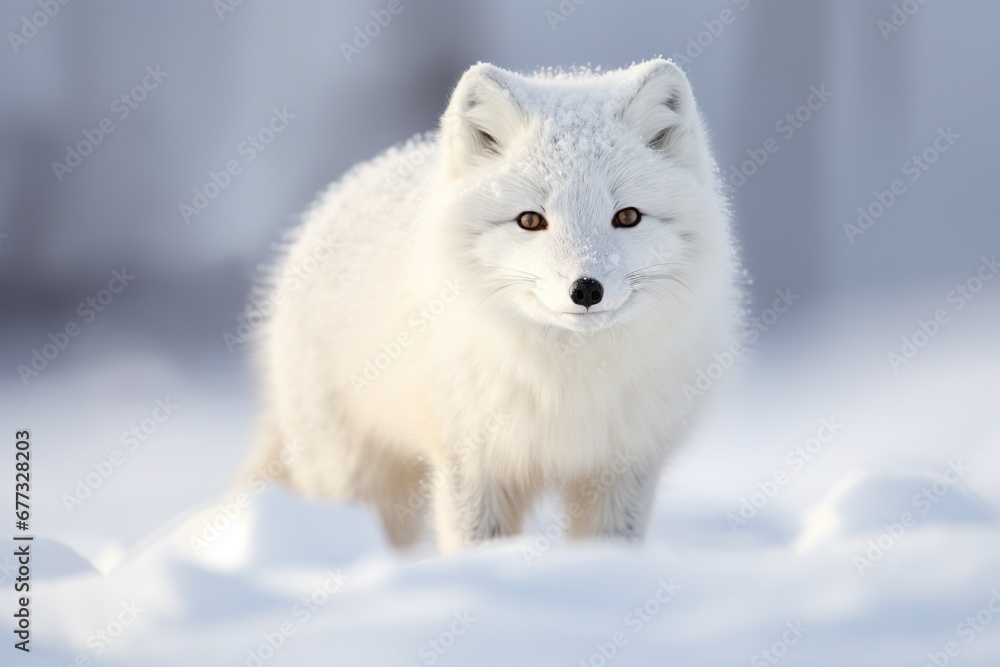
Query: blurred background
858	140
227	71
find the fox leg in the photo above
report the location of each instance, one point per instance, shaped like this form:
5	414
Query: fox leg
472	507
612	504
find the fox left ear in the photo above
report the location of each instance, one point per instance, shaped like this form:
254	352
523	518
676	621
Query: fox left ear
663	111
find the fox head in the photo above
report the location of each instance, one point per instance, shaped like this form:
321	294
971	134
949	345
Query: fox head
581	200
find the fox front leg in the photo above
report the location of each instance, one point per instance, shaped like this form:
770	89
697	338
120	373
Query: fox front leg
472	507
616	503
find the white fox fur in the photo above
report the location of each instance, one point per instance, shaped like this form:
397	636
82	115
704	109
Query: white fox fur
424	342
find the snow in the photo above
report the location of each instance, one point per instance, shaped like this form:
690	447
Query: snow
318	579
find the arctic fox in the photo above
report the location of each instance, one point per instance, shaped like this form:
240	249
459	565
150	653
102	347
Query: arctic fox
517	302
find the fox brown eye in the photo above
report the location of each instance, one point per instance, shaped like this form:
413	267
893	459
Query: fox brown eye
627	217
531	221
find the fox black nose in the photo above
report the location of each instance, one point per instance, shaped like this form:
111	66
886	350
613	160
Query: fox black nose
586	292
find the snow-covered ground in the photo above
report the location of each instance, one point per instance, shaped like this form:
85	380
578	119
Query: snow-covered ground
868	535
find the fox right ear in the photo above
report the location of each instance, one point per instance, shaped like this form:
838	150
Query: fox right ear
662	111
482	121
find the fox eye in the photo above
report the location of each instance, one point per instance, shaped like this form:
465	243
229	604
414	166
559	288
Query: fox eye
627	217
531	221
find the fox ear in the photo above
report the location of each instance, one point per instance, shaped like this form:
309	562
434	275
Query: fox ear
662	110
482	120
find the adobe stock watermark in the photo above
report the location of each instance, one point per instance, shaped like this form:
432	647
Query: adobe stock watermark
773	654
795	460
247	150
437	646
32	23
467	445
562	12
101	639
922	502
697	44
301	612
410	160
900	15
635	620
264	302
570	343
223	7
131	440
706	377
971	627
230	510
87	310
957	298
121	108
593	490
786	127
914	169
419	322
364	34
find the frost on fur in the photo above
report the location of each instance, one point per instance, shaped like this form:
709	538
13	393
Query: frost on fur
514	303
